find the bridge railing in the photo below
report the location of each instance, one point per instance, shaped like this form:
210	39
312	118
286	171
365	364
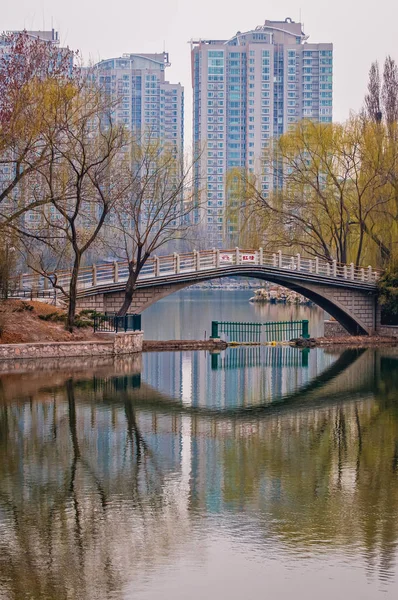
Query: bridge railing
173	264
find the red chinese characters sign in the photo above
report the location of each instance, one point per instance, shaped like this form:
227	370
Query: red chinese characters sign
244	258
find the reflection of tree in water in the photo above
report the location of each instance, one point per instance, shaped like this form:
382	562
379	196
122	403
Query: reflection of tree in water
75	522
327	475
88	500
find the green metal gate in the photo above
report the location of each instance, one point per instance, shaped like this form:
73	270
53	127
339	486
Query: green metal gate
255	333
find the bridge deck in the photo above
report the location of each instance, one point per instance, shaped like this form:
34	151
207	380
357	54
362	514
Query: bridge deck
204	265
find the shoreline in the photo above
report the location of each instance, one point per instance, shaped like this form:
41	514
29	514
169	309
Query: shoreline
66	350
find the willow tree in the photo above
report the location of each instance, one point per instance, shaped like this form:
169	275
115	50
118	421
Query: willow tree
28	68
332	190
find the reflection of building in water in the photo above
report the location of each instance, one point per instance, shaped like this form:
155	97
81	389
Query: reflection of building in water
106	477
241	376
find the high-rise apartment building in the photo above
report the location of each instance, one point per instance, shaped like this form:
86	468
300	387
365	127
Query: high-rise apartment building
148	102
247	90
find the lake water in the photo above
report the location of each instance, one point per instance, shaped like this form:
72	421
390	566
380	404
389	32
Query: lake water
188	314
267	472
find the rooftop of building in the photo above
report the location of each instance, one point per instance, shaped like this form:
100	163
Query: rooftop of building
132	61
47	36
288	26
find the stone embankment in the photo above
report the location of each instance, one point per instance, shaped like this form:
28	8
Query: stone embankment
159	346
117	345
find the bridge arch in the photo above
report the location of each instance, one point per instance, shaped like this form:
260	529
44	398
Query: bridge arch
353	308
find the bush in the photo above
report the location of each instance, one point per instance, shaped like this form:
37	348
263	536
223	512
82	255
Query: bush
54	317
388	298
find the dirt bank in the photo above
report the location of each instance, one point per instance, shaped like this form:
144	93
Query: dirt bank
25	321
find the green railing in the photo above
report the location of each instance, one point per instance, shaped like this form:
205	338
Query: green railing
111	323
255	333
245	357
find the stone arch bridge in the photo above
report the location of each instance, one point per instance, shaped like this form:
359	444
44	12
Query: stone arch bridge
348	293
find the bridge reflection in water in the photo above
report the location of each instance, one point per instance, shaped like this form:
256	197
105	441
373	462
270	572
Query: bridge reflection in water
104	471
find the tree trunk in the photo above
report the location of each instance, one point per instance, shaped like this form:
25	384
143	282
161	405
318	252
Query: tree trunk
128	293
72	295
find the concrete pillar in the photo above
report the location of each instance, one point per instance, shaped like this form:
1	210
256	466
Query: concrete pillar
176	262
115	272
334	268
352	271
94	275
260	256
328	269
274	260
345	271
156	266
298	256
237	256
280	259
316	265
217	259
369	273
362	274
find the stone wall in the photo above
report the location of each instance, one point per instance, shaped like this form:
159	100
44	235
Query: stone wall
388	330
128	343
333	329
122	343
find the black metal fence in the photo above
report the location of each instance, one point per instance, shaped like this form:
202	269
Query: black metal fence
114	324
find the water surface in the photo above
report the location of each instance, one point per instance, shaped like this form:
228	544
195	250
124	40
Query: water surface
268	472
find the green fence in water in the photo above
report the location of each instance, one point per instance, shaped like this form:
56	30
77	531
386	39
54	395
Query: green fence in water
246	357
255	333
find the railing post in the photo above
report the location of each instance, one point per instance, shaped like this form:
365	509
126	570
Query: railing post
237	256
299	262
156	266
217	259
352	271
45	283
21	282
305	331
335	268
260	256
280	259
94	275
345	271
214	329
316	265
362	274
176	263
369	273
310	264
274	260
115	272
328	269
197	256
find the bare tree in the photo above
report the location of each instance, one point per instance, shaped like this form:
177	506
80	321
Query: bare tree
156	211
79	185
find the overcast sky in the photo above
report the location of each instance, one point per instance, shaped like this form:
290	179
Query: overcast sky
360	30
